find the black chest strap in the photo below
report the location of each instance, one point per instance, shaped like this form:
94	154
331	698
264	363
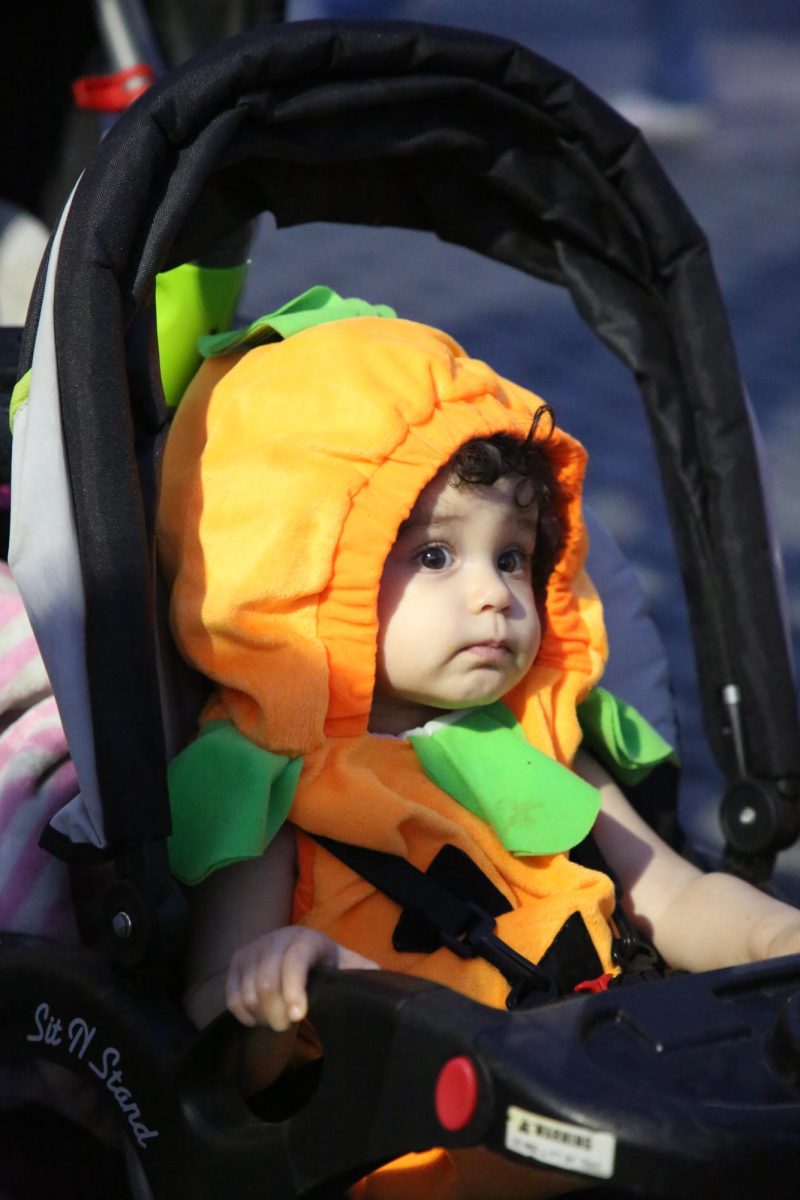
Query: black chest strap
435	914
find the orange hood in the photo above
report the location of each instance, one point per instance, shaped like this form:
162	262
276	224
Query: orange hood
286	475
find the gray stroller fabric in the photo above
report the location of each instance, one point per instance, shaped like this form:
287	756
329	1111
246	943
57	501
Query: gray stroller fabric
43	555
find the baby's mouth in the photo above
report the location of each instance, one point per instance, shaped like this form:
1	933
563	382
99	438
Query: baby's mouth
490	651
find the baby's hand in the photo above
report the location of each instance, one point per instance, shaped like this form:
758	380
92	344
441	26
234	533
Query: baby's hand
266	983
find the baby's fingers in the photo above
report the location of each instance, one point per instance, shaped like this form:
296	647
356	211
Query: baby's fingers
267	980
241	994
235	993
309	950
252	990
314	950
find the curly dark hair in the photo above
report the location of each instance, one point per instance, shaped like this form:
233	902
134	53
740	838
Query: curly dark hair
482	461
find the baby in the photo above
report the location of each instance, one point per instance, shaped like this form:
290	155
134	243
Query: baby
375	547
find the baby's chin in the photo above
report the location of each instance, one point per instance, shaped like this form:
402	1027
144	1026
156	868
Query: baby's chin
401	709
478	693
442	705
477	702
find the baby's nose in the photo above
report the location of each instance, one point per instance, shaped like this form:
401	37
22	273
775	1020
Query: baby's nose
489	590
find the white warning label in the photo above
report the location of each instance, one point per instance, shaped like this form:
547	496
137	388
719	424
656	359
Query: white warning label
556	1144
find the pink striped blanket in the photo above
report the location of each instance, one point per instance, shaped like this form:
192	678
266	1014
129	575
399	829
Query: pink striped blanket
36	779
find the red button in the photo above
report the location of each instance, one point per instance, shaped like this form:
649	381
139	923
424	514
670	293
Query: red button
456	1096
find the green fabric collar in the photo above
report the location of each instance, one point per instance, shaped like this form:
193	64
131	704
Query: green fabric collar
621	738
314	307
483	759
230	797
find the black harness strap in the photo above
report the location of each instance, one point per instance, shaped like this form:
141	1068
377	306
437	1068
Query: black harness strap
463	926
466	927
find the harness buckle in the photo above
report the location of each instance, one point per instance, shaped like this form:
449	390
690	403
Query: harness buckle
467	940
476	938
630	952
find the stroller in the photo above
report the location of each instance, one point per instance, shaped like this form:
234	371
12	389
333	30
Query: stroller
662	1089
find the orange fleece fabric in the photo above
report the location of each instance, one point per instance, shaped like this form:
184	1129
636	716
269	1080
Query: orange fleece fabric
286	476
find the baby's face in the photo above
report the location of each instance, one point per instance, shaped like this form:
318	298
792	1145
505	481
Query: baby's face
458	624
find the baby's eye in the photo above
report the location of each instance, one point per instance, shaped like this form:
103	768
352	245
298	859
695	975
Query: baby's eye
434	558
513	561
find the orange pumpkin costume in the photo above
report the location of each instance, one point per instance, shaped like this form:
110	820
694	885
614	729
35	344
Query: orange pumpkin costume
287	473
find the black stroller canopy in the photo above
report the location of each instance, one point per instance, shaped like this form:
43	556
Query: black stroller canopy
488	146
